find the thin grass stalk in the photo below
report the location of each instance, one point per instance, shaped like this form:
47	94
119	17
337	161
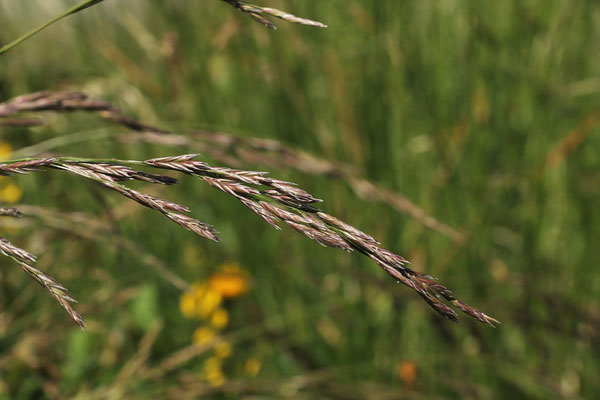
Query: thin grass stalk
79	7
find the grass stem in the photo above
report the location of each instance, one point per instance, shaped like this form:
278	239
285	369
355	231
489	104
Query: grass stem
79	7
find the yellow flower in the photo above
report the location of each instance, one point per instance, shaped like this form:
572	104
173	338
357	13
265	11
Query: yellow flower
223	350
216	379
187	304
231	281
213	371
10	193
219	318
207	299
5	150
213	364
203	335
200	302
252	366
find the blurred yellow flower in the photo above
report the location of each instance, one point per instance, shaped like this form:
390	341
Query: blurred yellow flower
215	378
207	299
203	301
5	150
219	318
223	349
187	305
252	366
213	371
10	193
203	335
200	302
231	281
213	364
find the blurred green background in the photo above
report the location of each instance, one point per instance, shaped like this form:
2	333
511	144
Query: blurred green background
485	114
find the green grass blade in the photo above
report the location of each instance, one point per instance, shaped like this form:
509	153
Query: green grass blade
79	7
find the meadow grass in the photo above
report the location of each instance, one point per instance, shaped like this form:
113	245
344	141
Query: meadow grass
483	114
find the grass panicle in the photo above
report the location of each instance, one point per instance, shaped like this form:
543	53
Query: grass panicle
272	199
58	291
275	201
258	14
10	212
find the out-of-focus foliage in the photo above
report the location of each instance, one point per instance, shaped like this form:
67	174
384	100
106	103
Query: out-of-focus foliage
485	114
